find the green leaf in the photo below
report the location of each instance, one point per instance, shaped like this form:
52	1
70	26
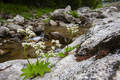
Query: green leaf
69	48
41	72
74	14
61	54
39	67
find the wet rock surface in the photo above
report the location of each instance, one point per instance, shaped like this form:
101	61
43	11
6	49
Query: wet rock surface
97	58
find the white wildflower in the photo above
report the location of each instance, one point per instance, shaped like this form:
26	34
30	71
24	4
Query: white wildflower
58	45
53	41
53	47
51	51
74	28
25	44
57	41
30	32
32	35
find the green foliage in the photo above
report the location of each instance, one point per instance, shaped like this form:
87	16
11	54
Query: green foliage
12	9
47	56
57	3
69	48
74	14
40	12
92	3
46	20
24	10
27	15
34	69
66	50
99	5
2	19
61	54
37	68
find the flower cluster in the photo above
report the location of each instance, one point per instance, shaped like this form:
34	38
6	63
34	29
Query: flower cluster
28	31
74	28
40	47
55	44
26	44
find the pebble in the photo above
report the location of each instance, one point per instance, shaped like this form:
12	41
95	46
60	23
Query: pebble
1	44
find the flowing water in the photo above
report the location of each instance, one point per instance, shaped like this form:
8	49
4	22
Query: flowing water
14	50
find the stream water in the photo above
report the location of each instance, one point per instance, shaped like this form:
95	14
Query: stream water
14	50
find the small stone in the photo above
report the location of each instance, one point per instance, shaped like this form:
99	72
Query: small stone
19	19
5	41
2	52
3	31
10	20
68	8
1	44
53	23
62	24
39	28
14	27
12	32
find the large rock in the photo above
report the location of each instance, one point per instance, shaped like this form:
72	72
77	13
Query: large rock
83	10
62	15
14	27
39	28
11	70
4	31
18	19
53	23
101	36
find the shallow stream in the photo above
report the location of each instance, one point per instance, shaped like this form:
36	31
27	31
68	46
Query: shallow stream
14	50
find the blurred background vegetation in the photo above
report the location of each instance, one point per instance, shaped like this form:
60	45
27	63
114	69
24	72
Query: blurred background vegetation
39	7
55	3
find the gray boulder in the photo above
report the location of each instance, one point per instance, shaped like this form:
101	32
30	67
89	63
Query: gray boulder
53	23
14	27
39	28
19	19
101	35
11	70
62	15
4	31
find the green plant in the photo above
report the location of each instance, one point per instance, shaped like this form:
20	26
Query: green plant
27	15
24	10
74	14
2	19
46	20
12	8
92	3
37	68
47	56
40	67
40	12
61	54
66	50
69	48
